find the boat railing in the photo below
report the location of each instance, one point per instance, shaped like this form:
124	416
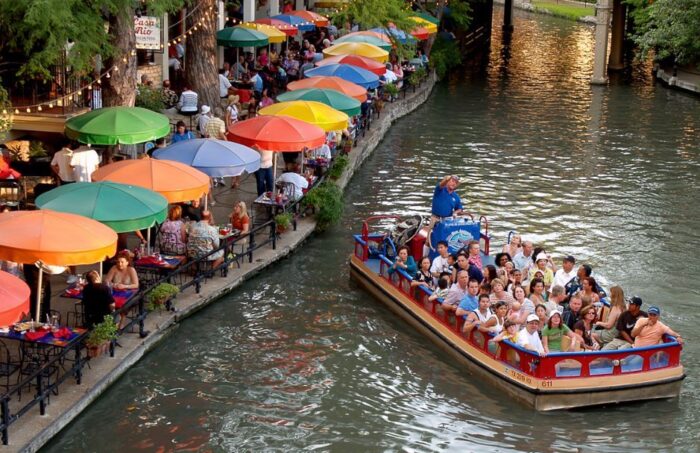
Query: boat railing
523	362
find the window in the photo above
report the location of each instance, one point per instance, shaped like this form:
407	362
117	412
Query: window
568	368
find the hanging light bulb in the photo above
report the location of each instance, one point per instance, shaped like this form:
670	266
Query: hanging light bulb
107	76
50	105
29	110
39	108
4	112
16	111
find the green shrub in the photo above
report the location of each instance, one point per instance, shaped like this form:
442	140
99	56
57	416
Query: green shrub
159	295
391	89
150	98
445	56
327	200
103	332
340	163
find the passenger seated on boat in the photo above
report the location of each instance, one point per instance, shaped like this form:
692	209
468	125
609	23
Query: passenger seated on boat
470	302
588	288
572	313
423	276
553	333
509	332
478	318
649	331
441	262
625	324
495	323
457	291
489	273
516	279
523	258
544	264
529	338
556	299
515	312
404	261
526	307
541	312
442	289
606	331
474	254
574	284
502	275
485	288
462	264
537	294
446	201
584	328
501	260
499	293
513	247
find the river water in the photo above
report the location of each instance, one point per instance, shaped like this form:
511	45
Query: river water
299	358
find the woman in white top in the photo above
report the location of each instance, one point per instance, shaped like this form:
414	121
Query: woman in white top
232	110
495	323
514	246
263	175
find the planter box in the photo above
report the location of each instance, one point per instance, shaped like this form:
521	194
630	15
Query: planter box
96	351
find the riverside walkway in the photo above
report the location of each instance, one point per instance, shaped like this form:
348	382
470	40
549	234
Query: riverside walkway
33	430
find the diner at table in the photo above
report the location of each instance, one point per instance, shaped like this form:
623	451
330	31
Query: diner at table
97	300
203	239
123	275
172	237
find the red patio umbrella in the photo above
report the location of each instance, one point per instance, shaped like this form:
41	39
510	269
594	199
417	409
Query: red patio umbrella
276	133
420	33
310	16
14	299
356	60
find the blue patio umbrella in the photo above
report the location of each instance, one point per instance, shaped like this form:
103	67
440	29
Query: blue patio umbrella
399	35
301	24
216	158
354	74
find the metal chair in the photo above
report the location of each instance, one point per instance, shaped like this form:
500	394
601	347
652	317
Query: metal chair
11	193
8	366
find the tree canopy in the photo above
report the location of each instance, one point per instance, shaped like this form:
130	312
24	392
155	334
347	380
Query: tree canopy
671	28
40	29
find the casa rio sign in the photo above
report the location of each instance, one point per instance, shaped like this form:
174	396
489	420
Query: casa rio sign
148	32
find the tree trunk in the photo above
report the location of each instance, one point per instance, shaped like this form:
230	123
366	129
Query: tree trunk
200	57
120	88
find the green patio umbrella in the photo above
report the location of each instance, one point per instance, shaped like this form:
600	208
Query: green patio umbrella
428	17
118	125
240	37
121	207
366	39
331	98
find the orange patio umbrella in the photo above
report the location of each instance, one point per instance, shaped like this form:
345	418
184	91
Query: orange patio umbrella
175	181
332	83
310	16
14	299
357	48
54	238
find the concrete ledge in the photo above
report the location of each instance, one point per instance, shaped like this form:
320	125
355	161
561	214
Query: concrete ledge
33	431
684	80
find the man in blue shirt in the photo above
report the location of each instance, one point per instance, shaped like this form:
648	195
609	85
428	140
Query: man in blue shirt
470	302
446	202
257	81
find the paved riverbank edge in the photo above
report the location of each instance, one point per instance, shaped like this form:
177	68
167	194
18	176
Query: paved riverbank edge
526	5
685	79
34	430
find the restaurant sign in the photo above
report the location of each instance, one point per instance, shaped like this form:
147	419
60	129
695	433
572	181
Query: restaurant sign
148	32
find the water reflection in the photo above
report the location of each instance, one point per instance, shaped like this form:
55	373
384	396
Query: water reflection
299	358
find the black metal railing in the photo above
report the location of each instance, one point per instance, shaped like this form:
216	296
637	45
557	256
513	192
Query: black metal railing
45	379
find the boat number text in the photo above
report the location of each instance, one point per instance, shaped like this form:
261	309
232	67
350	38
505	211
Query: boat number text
518	376
546	384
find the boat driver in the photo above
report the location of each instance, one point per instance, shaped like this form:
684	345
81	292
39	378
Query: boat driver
446	201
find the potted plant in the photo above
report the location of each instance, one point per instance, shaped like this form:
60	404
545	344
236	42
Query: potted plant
283	221
100	337
391	91
160	296
326	200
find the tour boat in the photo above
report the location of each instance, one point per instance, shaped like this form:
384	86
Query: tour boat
561	380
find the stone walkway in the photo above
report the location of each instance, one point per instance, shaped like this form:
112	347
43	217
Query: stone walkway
32	431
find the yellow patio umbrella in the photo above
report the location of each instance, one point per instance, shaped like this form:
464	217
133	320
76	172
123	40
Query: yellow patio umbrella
431	27
316	113
357	48
273	34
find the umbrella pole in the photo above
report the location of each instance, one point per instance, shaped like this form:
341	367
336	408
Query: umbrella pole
148	241
101	270
38	296
274	176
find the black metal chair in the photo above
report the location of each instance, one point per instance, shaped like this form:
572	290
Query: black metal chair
9	367
11	193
